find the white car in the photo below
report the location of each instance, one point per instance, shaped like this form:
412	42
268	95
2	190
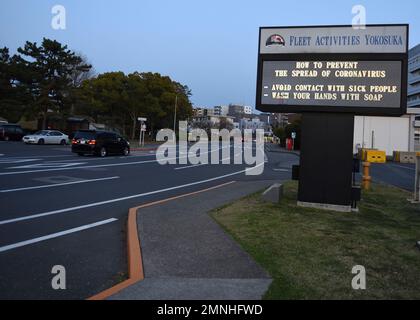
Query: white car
46	137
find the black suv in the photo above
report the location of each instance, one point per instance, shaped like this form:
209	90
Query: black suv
99	143
11	132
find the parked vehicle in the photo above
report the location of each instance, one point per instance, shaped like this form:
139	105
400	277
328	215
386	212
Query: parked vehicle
46	137
101	143
10	131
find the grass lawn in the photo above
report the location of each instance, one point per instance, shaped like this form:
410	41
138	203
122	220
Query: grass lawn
310	253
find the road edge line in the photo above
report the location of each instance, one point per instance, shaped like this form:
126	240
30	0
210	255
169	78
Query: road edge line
134	260
134	256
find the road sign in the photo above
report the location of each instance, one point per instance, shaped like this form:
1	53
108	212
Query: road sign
143	128
142	119
293	135
333	69
330	74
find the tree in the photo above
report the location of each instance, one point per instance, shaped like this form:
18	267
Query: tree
48	76
161	94
225	124
81	71
280	133
136	99
203	124
104	98
120	99
12	98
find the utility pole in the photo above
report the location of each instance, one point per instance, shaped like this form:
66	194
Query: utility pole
176	102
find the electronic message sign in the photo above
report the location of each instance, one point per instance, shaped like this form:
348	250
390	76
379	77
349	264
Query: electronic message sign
333	69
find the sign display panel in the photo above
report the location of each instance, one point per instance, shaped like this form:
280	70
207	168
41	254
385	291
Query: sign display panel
332	83
333	69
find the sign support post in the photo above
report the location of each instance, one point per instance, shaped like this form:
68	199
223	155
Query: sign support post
142	131
326	164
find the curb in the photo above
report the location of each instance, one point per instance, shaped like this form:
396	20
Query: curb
135	263
134	256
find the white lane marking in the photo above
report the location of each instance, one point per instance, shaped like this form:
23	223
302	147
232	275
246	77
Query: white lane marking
74	168
282	170
11	160
192	166
41	156
58	184
95	204
48	165
402	167
202	164
132	155
55	235
97	166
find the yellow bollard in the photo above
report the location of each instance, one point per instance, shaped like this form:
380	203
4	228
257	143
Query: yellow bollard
366	177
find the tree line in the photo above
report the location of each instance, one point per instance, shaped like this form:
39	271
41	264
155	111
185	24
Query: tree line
49	79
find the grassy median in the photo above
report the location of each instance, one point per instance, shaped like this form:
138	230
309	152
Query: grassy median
310	253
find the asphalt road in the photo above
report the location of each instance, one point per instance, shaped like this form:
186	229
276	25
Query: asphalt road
397	174
57	208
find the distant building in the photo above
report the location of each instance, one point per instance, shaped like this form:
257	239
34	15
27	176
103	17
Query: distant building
271	119
197	112
221	110
236	110
280	119
213	120
393	133
253	124
413	99
248	110
414	80
201	111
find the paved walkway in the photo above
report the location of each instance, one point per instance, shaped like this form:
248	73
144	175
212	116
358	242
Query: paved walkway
186	255
271	147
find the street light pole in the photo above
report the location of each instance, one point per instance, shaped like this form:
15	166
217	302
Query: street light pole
176	102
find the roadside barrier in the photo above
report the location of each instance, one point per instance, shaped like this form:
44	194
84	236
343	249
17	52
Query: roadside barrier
372	155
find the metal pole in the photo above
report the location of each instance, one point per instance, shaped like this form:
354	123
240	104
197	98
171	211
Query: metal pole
176	102
373	139
366	176
363	138
141	123
417	181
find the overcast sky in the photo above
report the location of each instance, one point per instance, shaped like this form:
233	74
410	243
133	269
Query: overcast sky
209	45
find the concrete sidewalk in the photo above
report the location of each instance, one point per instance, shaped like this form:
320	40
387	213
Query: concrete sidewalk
186	255
272	147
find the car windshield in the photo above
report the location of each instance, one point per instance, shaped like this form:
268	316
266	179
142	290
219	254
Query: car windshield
41	133
88	135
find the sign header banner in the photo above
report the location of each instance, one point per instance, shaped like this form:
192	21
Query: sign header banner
340	39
